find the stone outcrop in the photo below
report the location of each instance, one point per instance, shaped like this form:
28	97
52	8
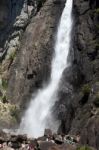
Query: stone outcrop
27	37
79	87
22	142
27	43
14	18
32	64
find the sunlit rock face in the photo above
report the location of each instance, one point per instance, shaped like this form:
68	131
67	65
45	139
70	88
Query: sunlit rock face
33	62
9	10
76	110
14	17
46	97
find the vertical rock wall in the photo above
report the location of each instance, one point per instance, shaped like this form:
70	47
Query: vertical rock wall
32	65
79	88
26	47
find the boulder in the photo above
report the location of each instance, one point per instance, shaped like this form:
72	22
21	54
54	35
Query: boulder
58	139
46	145
4	137
47	132
63	147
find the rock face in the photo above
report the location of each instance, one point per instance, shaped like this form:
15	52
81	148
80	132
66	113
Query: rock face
9	10
22	142
79	88
27	37
14	18
28	64
32	65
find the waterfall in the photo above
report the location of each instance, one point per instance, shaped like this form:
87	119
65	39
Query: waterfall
38	115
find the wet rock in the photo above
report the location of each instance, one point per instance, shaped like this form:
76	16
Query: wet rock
88	133
21	138
18	138
47	132
15	145
58	139
21	142
4	137
43	138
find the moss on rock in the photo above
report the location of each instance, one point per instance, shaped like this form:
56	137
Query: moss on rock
86	89
8	114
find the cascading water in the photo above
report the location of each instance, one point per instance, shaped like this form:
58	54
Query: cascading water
38	114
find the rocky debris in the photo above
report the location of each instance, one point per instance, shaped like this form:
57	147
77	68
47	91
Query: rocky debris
22	142
48	132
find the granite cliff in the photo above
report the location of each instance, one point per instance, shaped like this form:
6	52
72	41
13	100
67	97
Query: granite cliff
27	51
15	16
27	37
79	94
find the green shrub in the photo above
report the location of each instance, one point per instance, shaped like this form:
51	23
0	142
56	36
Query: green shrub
4	99
14	112
12	55
86	89
0	98
97	11
84	148
4	84
97	26
97	46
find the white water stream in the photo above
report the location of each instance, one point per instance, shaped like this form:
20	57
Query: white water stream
38	115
